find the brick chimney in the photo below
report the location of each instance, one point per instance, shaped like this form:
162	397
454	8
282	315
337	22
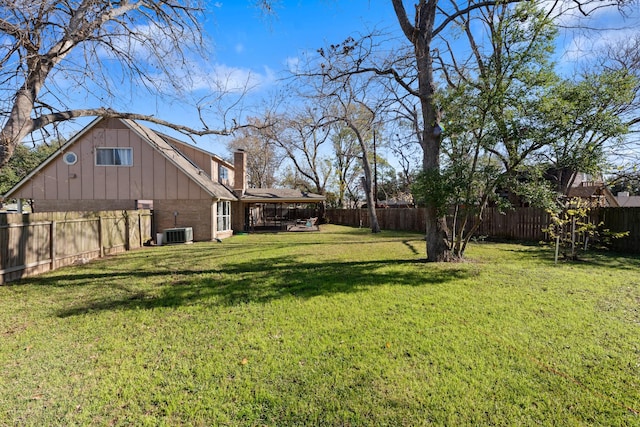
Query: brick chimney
240	175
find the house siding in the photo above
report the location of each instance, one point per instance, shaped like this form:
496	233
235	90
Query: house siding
79	205
205	161
197	214
151	177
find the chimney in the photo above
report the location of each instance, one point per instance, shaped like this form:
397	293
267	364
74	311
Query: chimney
240	175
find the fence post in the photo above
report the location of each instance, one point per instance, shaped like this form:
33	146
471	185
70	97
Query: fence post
100	236
127	236
139	228
52	244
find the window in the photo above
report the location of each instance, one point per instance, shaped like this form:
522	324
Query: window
70	158
223	175
224	216
114	156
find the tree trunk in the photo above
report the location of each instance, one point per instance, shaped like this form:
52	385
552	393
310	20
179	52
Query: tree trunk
18	125
420	35
371	201
437	237
437	232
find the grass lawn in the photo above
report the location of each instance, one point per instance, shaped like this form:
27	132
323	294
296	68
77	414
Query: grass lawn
337	328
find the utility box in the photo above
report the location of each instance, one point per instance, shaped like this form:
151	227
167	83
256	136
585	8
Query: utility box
178	235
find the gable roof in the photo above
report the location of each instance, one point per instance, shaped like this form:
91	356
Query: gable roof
181	161
48	160
627	201
171	140
159	144
593	192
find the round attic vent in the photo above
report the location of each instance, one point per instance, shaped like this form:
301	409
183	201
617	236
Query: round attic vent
70	158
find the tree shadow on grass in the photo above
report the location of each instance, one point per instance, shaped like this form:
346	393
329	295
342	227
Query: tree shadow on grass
593	257
408	244
261	281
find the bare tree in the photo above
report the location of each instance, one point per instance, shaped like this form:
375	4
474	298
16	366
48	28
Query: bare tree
347	151
360	118
302	136
355	101
263	160
624	57
91	46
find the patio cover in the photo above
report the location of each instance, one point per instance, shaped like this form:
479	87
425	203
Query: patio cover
279	195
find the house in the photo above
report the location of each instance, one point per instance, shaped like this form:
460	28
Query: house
627	201
573	185
118	164
594	193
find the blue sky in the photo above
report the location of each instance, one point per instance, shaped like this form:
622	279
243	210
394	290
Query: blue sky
251	47
244	37
248	47
246	40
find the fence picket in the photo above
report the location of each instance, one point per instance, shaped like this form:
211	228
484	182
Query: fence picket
517	224
34	243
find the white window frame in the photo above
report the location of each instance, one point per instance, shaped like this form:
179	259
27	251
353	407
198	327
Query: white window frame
223	215
127	149
223	174
70	158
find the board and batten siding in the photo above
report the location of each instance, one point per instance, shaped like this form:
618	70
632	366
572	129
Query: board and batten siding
198	157
204	161
152	176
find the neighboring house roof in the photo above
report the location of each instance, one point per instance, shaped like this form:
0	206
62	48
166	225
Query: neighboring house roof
159	144
394	203
279	195
593	192
628	201
583	192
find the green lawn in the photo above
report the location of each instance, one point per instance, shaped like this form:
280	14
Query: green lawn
337	328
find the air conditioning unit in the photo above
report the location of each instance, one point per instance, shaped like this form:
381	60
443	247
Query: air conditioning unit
178	235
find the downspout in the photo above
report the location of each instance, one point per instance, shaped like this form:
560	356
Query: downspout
214	218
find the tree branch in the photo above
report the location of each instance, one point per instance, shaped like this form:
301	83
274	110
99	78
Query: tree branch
468	9
47	119
407	28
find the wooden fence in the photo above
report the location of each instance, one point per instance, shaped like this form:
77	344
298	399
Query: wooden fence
34	243
517	224
621	220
